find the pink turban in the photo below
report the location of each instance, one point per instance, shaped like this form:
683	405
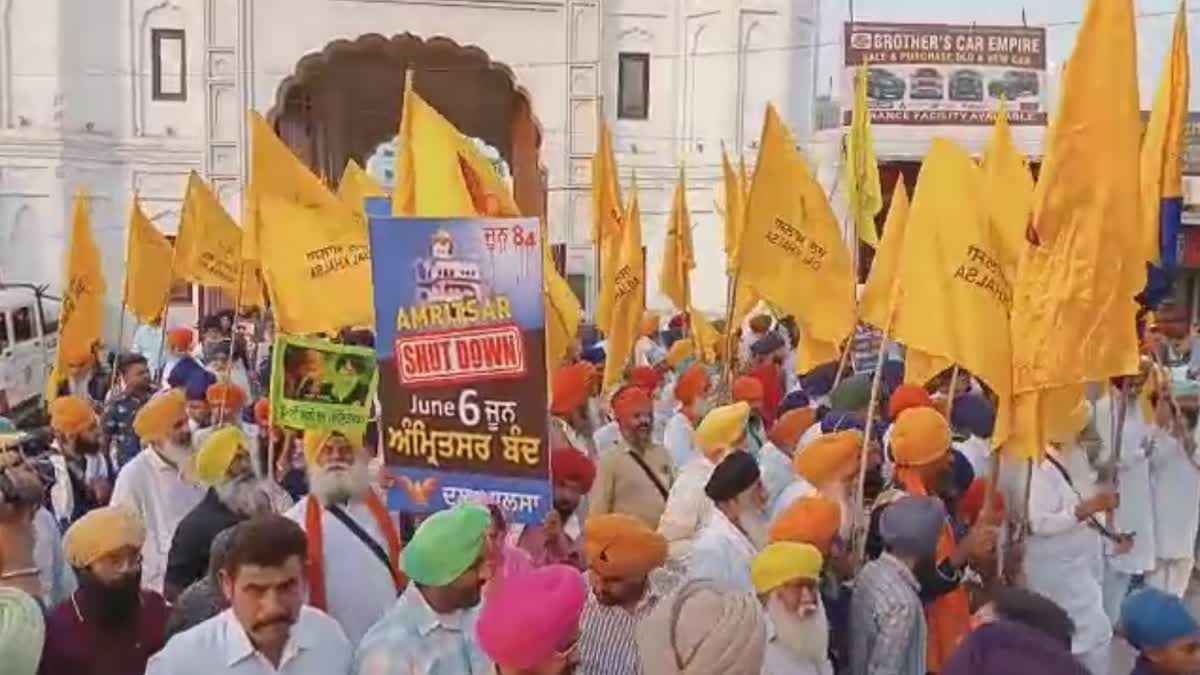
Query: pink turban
532	617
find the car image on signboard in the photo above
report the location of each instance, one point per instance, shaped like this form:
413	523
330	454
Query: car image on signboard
926	83
884	85
1014	84
966	85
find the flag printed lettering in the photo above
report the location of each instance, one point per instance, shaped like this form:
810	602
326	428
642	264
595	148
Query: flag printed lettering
981	269
793	242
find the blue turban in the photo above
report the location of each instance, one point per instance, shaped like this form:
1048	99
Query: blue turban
593	355
819	380
793	401
973	414
1151	618
183	372
196	388
834	421
961	471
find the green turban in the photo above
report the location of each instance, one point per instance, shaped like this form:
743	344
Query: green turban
446	545
851	394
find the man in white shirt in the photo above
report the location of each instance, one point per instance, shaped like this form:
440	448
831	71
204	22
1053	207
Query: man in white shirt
356	577
1175	478
647	351
691	392
157	485
737	528
786	575
267	629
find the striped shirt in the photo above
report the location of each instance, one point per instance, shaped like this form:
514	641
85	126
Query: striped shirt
607	635
412	639
887	622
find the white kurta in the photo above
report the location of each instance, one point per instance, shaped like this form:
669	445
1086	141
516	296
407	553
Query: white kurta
161	496
688	508
606	437
677	439
777	472
1136	511
1062	560
358	588
978	452
723	554
1176	483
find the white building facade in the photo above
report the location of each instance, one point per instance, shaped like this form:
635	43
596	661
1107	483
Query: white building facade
129	96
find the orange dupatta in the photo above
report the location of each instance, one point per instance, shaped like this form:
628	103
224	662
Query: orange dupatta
313	527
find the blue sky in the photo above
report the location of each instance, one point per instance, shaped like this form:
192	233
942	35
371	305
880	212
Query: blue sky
1060	17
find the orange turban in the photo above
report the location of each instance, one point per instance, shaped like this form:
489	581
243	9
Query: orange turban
180	339
159	416
644	377
630	401
748	389
809	520
920	436
788	429
225	396
907	396
829	457
618	545
691	384
570	385
262	412
71	415
649	325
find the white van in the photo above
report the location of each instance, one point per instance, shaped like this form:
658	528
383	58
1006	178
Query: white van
28	343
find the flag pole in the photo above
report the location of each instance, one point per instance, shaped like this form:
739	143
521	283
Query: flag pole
162	323
861	519
237	311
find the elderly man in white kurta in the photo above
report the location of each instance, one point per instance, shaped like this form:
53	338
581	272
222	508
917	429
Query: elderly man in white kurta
156	484
1175	478
353	545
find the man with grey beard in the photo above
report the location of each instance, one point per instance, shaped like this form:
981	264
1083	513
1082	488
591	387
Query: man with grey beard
785	576
235	494
353	543
736	528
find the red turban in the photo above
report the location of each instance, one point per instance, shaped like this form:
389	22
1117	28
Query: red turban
570	384
748	389
569	464
630	401
644	377
225	396
180	339
907	396
970	505
262	412
691	384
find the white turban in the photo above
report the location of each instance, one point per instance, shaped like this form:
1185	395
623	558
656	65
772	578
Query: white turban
704	630
22	632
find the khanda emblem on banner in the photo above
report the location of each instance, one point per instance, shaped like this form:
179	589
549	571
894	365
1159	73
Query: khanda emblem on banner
486	203
419	492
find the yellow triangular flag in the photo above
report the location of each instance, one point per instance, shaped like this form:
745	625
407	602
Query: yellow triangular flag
863	192
1009	191
563	311
705	338
792	251
679	259
879	293
735	208
608	218
208	250
81	322
147	268
629	295
1162	152
1073	303
356	185
439	171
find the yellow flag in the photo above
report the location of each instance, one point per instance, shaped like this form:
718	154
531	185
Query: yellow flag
147	268
439	171
1009	191
705	337
792	251
863	192
811	353
879	293
1162	152
735	208
252	293
563	312
956	296
608	222
208	250
1073	302
679	259
356	185
82	318
628	297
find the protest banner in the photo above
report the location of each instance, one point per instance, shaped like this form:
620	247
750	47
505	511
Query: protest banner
316	384
460	338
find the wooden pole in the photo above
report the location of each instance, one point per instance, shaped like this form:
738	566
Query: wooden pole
953	388
861	519
842	362
162	325
237	310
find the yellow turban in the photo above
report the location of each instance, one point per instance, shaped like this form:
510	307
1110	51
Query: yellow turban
680	351
71	415
828	457
159	416
101	532
920	436
620	545
721	428
217	453
315	439
1073	425
784	562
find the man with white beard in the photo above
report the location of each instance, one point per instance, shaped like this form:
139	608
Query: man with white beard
353	544
158	485
235	494
736	528
785	576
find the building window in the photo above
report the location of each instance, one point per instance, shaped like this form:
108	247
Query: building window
168	58
633	86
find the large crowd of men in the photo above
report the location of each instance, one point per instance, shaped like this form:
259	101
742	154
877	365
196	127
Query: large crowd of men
726	518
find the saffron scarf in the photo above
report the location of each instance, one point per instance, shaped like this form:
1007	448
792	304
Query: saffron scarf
313	527
948	616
